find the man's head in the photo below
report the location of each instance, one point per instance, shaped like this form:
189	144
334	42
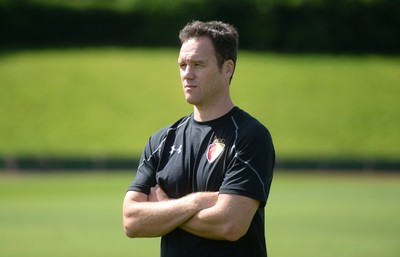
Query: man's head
223	36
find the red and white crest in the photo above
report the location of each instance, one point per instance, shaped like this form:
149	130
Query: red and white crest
214	150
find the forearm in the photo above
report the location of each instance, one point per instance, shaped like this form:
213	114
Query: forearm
209	224
229	219
151	219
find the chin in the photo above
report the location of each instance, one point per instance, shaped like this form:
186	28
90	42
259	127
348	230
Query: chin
190	100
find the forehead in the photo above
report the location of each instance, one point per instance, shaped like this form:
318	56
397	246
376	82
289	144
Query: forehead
197	48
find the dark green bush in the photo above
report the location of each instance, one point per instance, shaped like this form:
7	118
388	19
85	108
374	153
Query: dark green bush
287	26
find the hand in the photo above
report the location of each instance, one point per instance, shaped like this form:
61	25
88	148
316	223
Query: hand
157	194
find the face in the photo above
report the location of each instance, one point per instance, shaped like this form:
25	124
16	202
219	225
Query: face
204	83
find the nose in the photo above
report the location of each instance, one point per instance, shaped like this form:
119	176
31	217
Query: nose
187	73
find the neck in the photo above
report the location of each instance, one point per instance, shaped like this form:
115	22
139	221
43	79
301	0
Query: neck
207	113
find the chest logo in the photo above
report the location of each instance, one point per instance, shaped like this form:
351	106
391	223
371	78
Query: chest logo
174	149
215	150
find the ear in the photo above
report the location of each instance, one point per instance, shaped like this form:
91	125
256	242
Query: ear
229	67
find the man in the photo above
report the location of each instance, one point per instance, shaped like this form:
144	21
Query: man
203	182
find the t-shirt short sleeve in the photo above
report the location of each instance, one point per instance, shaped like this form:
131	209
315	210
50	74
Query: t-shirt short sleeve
250	173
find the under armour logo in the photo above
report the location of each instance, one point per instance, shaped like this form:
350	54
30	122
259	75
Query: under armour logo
173	149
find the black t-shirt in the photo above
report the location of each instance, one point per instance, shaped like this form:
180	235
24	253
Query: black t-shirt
233	154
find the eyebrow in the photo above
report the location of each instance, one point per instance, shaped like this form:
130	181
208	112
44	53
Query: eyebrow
193	59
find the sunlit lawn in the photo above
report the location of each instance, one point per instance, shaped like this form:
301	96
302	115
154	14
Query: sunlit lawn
108	101
354	215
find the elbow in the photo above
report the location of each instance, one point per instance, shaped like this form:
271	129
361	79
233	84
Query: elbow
233	236
129	227
129	232
233	232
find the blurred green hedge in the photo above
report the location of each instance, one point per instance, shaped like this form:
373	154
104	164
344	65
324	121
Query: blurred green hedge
356	26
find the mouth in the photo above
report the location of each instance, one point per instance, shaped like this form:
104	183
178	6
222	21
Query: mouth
190	86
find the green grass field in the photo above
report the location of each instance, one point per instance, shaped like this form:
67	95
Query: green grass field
108	101
79	214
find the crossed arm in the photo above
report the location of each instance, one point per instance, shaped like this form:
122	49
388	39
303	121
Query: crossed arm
205	214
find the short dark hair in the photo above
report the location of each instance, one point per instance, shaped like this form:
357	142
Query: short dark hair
224	38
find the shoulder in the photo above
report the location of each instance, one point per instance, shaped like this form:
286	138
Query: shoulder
247	124
251	133
171	128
